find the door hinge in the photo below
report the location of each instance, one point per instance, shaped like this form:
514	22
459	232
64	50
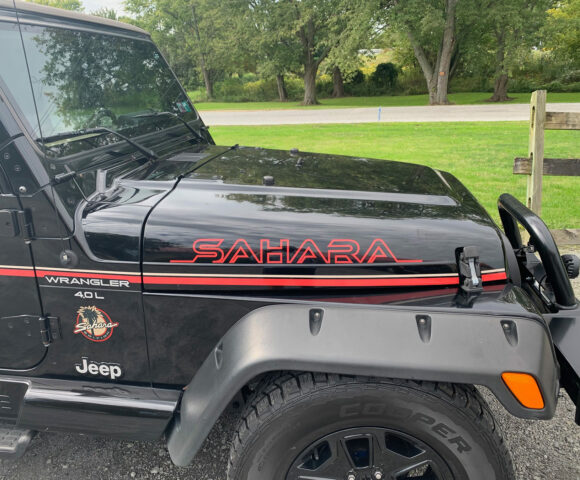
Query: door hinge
49	330
25	223
14	223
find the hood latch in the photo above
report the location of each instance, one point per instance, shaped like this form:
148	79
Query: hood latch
469	270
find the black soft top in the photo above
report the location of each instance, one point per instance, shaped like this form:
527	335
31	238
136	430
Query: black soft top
32	9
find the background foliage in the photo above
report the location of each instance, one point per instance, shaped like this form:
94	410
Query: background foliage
263	50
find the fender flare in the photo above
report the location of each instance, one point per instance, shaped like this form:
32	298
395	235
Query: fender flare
429	344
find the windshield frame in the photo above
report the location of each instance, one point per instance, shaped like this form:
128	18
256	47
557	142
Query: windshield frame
46	21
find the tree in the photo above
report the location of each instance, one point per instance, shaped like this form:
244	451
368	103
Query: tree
318	28
562	33
513	26
431	28
309	29
274	48
105	12
196	30
74	5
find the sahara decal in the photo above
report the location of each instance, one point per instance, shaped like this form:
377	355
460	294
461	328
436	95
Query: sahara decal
94	324
103	369
337	251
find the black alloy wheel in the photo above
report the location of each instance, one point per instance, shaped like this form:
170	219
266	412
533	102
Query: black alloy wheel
368	454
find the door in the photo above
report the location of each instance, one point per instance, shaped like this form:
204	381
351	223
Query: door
21	345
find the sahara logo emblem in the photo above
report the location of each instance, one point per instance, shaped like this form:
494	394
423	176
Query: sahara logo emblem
94	324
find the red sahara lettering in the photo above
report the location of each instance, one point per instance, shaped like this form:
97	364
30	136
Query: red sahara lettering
337	251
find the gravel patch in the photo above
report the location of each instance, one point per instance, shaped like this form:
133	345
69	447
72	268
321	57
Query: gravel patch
541	450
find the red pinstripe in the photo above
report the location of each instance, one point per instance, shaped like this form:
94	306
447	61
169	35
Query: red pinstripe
150	279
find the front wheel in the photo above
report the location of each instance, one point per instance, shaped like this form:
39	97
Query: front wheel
303	426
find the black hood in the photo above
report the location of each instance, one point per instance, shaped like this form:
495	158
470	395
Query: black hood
258	218
254	213
257	166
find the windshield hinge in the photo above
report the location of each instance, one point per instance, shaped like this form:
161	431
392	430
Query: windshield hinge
49	329
470	270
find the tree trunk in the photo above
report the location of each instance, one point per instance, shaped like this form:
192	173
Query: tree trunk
337	83
282	92
432	87
500	89
437	75
205	72
306	34
208	81
310	71
447	47
501	76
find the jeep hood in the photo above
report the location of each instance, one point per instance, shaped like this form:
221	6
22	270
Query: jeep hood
267	219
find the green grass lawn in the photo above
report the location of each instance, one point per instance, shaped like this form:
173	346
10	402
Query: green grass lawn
480	154
385	101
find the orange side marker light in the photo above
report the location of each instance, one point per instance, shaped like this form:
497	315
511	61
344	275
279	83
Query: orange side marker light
525	388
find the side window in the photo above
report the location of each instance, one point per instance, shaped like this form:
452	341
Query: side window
14	80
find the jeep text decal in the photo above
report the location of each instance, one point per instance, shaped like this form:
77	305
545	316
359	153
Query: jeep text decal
337	251
103	369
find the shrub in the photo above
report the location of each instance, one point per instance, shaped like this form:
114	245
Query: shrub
295	88
472	84
324	86
356	78
522	85
572	87
237	89
554	86
260	91
229	90
411	82
197	95
571	77
385	76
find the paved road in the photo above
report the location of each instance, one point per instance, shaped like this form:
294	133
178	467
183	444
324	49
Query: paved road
541	450
450	113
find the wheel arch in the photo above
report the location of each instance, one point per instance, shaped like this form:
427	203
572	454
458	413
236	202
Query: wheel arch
390	342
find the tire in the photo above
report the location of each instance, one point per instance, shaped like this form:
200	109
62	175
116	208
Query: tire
310	425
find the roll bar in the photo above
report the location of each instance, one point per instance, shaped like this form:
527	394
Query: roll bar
512	211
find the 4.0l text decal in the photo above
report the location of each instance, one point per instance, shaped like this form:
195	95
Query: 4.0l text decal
337	251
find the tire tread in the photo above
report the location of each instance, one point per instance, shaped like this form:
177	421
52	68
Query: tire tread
277	389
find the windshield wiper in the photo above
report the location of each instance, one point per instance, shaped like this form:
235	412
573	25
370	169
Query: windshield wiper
154	114
147	152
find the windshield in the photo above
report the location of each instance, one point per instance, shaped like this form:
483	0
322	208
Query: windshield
85	79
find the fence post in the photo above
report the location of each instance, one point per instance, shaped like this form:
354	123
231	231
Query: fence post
536	150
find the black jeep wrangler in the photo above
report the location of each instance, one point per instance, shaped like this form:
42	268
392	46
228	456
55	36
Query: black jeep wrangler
149	278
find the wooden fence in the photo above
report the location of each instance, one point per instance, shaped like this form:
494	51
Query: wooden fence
535	165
